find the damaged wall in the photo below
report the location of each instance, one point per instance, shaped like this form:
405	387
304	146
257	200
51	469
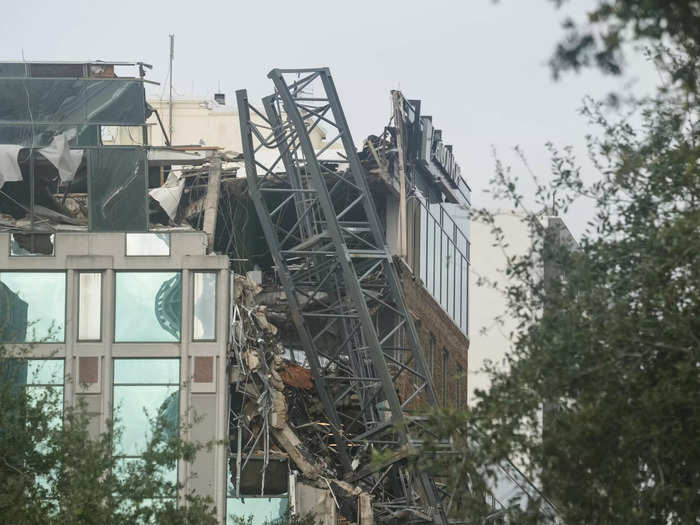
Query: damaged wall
277	410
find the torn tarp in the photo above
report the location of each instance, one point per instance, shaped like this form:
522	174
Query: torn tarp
58	153
9	166
169	194
66	160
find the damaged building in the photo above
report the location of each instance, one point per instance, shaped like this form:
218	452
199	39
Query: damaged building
306	297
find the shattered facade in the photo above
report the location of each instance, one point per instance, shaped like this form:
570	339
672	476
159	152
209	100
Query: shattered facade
307	297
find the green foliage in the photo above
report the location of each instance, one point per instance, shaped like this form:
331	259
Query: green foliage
599	397
53	473
289	518
600	40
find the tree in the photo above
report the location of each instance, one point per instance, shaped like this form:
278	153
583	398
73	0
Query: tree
53	471
602	386
600	41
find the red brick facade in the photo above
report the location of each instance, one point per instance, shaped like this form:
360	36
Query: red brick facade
443	342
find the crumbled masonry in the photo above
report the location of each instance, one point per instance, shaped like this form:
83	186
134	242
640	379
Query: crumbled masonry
269	384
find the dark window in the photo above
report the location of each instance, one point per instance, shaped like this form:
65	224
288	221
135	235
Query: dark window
445	360
57	70
458	386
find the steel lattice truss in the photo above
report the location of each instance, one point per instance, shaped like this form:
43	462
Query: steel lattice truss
344	293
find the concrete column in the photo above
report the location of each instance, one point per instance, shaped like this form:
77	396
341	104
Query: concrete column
185	373
108	297
222	409
70	334
212	201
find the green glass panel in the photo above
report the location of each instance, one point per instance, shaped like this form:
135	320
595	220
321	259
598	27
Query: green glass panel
263	510
117	189
57	100
168	473
147	371
45	372
135	406
11	69
14	100
32	307
148	306
119	102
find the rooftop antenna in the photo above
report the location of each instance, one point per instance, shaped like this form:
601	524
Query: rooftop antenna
170	99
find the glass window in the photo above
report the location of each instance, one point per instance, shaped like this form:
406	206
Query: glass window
144	389
444	252
147	371
32	307
263	509
90	306
148	244
148	306
31	244
10	69
42	379
117	198
204	317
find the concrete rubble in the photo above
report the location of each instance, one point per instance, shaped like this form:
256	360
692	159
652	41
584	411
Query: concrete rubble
270	383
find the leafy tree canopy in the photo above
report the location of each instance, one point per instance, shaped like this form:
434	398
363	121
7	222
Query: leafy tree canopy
599	397
53	472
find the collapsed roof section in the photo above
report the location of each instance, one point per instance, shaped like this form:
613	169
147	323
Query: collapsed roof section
51	120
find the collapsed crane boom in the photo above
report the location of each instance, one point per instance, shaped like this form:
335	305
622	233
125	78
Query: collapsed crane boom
324	234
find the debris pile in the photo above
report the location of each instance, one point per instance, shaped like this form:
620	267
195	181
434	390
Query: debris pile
277	413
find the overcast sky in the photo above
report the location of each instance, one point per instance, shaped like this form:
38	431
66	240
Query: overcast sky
479	67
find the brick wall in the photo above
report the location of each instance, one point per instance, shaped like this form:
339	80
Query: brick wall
437	332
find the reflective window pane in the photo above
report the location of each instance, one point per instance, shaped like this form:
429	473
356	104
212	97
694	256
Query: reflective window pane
45	372
168	473
42	382
90	306
148	244
204	323
148	306
32	307
135	407
147	371
263	510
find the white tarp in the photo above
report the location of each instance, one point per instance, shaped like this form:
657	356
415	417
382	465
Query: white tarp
58	153
66	160
169	194
9	165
